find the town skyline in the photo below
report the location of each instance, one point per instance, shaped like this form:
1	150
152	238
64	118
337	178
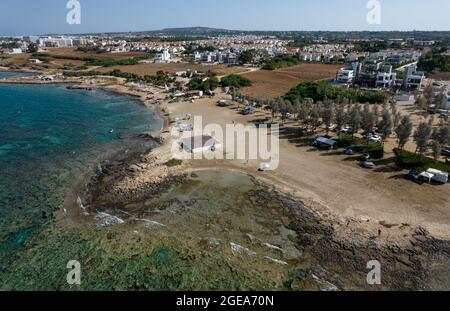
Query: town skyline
140	16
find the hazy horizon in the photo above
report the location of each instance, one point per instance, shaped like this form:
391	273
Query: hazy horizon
19	17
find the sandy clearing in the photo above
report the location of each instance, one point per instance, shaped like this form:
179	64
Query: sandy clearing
336	181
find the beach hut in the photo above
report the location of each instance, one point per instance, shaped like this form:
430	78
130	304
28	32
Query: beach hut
199	144
325	143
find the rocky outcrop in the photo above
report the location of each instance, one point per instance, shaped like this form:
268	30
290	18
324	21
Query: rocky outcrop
131	180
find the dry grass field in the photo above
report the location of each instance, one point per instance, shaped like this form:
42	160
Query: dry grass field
441	76
270	84
71	52
18	60
151	69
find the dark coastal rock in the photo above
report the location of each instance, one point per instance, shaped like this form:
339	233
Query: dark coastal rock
411	267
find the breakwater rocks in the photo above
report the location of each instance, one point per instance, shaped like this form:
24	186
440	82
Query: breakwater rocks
80	87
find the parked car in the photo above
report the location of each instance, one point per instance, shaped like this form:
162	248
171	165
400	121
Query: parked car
369	165
331	127
247	111
445	152
414	174
365	156
375	138
349	151
347	130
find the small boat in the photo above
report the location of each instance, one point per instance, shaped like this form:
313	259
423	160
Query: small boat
112	131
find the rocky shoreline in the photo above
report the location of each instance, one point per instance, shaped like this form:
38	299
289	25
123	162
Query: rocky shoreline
126	182
339	251
418	262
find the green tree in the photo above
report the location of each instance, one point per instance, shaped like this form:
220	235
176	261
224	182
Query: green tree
386	124
341	117
32	48
355	119
327	113
248	56
367	119
235	81
404	131
421	103
422	137
436	149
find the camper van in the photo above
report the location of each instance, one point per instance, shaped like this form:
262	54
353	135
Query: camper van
435	175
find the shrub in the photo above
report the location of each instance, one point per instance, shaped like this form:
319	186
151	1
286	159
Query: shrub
359	145
344	141
173	162
409	160
235	81
209	84
280	62
318	91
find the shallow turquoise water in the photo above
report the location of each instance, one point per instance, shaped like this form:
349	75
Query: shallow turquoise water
50	136
11	74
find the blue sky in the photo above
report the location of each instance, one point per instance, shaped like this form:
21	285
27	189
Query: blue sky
20	17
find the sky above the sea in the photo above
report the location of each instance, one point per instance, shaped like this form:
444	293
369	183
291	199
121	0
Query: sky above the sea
23	17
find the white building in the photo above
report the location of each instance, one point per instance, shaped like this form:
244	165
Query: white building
164	56
413	79
35	61
15	51
58	42
385	77
447	103
345	75
199	144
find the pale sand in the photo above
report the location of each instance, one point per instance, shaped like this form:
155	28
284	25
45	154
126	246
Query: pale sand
328	179
332	185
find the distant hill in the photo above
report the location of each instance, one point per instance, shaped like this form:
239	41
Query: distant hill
194	31
199	32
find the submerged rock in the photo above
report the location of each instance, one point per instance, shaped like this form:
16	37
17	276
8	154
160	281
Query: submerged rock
237	249
149	224
277	261
107	220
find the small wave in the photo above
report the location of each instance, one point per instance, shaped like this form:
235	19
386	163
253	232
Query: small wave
80	203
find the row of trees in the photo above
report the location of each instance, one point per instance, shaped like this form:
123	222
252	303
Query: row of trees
386	120
210	83
341	113
427	100
318	91
427	137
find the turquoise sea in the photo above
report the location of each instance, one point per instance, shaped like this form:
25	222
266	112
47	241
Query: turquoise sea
51	136
12	74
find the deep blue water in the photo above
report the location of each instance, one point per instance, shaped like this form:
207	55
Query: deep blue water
49	137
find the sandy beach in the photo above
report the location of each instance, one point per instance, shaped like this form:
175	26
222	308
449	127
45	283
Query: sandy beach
324	197
335	180
377	200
